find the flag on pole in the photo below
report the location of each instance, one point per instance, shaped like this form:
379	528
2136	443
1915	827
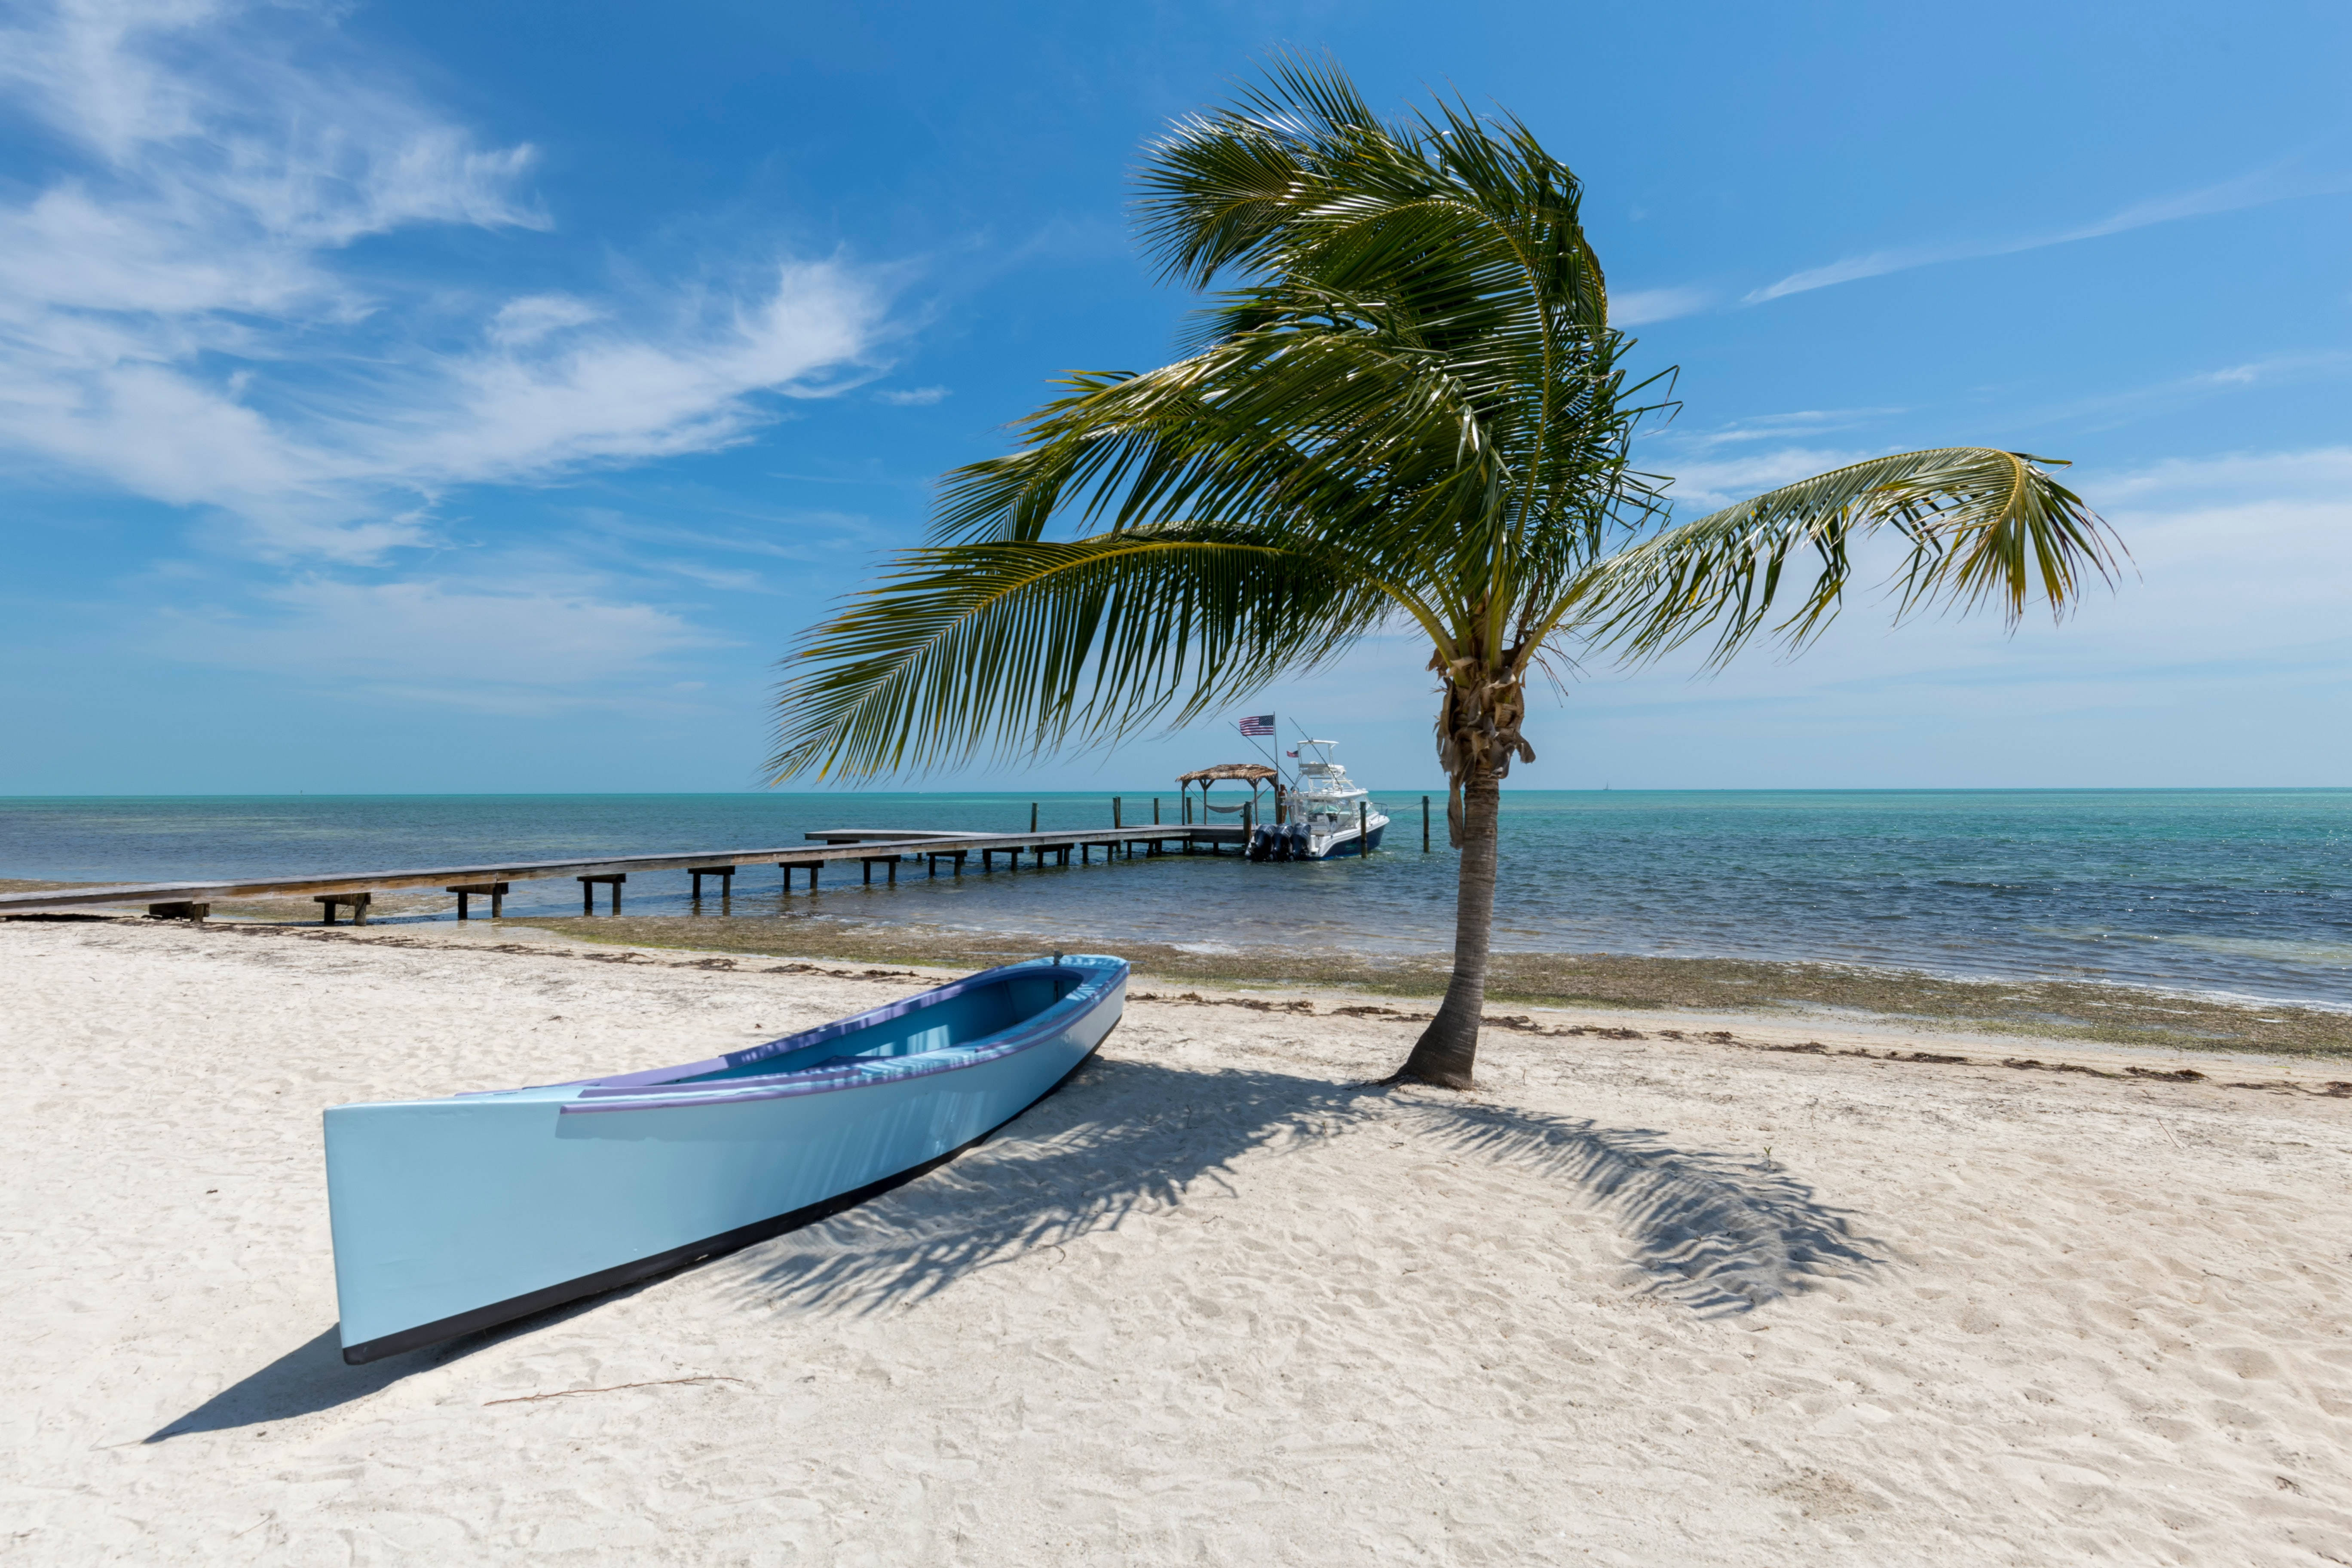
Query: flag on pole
1261	725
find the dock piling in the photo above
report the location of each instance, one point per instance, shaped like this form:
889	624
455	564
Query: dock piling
1114	812
1032	816
1425	825
726	875
495	891
1363	834
358	904
612	880
180	909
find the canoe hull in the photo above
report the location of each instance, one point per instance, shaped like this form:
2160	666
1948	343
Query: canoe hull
450	1216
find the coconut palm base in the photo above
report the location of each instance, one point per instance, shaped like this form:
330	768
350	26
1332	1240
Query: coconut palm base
1446	1055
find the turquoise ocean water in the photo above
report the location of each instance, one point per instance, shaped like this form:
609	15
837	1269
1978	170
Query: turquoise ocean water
2240	892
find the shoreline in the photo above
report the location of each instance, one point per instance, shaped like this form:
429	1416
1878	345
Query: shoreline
2048	1009
2090	1011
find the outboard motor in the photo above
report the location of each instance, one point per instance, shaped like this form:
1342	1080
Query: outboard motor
1258	847
1295	842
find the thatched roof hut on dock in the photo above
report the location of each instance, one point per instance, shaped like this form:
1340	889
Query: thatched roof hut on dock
1255	775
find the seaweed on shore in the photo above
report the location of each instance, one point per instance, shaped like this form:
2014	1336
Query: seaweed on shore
2043	1009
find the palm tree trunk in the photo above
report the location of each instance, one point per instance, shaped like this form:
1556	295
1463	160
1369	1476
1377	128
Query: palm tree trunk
1447	1051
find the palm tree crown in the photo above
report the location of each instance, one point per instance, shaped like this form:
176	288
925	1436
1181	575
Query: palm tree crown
1408	409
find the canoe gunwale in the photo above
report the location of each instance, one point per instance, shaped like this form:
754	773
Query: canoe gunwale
658	1088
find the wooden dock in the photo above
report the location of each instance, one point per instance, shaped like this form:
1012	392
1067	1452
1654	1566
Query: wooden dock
864	848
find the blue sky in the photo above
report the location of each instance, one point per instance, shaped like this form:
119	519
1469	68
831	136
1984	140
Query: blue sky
442	397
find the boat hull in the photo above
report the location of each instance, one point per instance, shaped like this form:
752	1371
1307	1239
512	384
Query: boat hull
1294	841
1343	844
453	1215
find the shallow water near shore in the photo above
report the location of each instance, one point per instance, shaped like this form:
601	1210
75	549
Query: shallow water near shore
2241	893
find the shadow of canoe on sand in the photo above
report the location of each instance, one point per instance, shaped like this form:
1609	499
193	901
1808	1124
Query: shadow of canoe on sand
1717	1233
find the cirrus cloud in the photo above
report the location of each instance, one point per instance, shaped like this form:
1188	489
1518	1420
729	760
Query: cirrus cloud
181	317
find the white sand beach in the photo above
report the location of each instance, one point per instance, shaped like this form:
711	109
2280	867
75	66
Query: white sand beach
1222	1300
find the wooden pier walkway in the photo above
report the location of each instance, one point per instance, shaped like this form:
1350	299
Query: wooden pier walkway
862	847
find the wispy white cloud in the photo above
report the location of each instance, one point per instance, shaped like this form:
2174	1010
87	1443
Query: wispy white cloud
2259	188
800	536
1636	306
914	398
1796	424
447	641
2187	485
1705	484
178	317
2106	408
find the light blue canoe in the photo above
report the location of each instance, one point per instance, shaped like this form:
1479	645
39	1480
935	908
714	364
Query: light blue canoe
450	1216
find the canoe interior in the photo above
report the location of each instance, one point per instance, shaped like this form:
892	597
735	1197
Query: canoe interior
984	1010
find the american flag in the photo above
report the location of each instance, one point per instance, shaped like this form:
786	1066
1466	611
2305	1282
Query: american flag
1261	725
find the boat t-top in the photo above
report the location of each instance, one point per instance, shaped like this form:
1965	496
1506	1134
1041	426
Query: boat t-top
1323	813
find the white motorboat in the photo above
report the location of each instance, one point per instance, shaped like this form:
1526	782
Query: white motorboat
1324	814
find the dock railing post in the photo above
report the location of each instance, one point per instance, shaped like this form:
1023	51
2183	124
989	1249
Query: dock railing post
1114	812
1425	825
1032	816
1155	811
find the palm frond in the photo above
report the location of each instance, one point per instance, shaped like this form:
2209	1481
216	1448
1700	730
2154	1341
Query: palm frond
1325	433
1014	646
1983	526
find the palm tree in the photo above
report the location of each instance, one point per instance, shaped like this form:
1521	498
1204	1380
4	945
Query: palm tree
1407	410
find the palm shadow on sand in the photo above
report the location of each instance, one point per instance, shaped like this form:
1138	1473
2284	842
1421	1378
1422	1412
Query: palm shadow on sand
1717	1233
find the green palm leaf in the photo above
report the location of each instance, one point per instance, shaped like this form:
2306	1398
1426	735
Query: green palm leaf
1982	526
1019	646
